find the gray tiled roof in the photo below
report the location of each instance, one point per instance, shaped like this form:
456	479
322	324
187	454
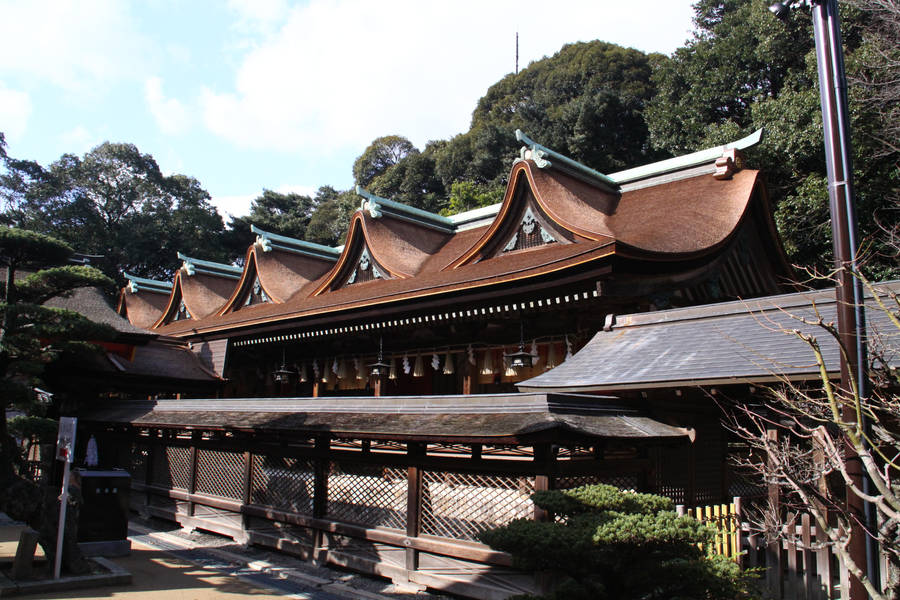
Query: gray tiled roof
751	341
488	416
91	303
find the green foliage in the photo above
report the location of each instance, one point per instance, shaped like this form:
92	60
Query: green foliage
605	543
33	334
744	70
328	224
381	154
114	202
21	248
41	428
468	195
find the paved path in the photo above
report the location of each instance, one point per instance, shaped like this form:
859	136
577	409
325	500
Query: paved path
176	565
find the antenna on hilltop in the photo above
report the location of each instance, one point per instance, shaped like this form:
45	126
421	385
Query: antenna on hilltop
517	53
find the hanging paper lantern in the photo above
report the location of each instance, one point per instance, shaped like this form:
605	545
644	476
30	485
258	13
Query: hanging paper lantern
487	367
302	372
419	367
552	360
393	372
535	354
508	370
448	364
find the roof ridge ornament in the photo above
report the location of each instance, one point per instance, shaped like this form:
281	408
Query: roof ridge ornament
378	207
192	266
541	155
137	284
686	161
269	242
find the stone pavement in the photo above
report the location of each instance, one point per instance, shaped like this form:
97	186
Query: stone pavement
180	565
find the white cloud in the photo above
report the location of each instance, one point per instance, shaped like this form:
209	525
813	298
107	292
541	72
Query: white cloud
258	16
78	140
170	114
78	46
15	109
339	73
233	206
239	205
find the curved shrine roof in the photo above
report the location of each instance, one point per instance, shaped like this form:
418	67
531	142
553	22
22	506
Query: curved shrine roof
551	219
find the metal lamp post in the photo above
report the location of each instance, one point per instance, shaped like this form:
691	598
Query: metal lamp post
849	289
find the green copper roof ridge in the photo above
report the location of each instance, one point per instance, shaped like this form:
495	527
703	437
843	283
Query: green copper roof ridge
374	205
540	153
294	245
151	285
209	267
685	161
475	214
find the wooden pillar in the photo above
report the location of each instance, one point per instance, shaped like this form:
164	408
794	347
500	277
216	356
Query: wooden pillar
379	383
316	390
467	382
545	469
321	465
245	492
192	474
415	452
773	550
152	449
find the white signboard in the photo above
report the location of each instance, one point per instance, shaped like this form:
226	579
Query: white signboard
65	441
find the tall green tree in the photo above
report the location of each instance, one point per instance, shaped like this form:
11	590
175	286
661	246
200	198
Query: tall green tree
33	335
380	155
742	70
116	203
585	101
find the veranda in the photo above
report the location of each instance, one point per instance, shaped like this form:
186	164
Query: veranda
377	485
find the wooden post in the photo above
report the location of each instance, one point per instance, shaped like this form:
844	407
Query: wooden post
467	381
808	592
245	492
379	384
316	390
320	497
738	535
792	584
152	449
414	501
545	460
192	474
773	551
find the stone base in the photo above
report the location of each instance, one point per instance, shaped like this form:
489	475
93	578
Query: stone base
115	575
110	548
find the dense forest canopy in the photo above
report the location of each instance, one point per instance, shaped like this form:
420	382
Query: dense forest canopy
607	106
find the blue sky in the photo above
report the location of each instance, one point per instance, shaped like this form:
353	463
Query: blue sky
253	94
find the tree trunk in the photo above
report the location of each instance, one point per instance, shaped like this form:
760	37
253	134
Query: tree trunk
38	506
